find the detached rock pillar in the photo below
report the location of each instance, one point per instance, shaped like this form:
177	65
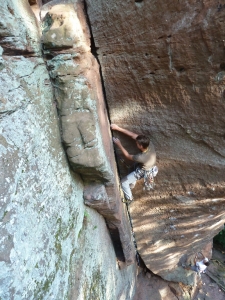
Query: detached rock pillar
85	128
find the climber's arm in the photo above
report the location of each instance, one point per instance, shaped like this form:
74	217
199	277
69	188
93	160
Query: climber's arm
124	151
125	131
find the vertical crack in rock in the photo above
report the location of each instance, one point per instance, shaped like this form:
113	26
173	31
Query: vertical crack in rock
79	93
94	51
113	231
49	248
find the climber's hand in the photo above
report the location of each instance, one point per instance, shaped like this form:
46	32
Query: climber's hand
114	127
117	141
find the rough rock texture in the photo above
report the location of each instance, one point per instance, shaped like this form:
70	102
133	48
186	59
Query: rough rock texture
17	39
163	70
75	76
47	250
85	129
163	67
150	286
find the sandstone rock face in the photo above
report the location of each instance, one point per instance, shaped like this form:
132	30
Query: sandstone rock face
18	39
85	129
74	72
163	70
47	247
150	286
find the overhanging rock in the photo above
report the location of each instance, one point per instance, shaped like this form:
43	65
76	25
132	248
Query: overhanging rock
163	69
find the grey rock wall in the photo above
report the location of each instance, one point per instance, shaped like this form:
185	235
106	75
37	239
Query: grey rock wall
52	245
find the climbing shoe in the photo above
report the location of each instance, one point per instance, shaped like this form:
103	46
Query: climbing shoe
127	201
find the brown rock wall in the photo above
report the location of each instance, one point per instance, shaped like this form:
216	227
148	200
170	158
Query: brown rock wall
163	69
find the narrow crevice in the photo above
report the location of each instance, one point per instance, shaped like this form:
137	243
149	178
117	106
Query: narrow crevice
18	52
114	232
133	235
94	51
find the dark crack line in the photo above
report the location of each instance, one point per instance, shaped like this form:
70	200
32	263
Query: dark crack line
133	235
55	86
85	145
10	112
36	66
9	91
6	113
18	52
95	54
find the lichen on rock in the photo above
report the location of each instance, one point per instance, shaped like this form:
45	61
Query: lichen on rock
42	206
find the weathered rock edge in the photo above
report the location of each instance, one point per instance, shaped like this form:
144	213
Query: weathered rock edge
85	128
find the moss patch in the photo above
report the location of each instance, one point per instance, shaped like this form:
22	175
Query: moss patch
95	290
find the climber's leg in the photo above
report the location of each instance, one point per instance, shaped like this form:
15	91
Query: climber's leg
125	182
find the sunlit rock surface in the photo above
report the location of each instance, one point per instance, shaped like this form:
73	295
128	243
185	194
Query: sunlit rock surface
52	245
163	71
163	67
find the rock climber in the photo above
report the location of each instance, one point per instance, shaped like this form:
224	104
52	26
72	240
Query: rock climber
199	266
146	161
